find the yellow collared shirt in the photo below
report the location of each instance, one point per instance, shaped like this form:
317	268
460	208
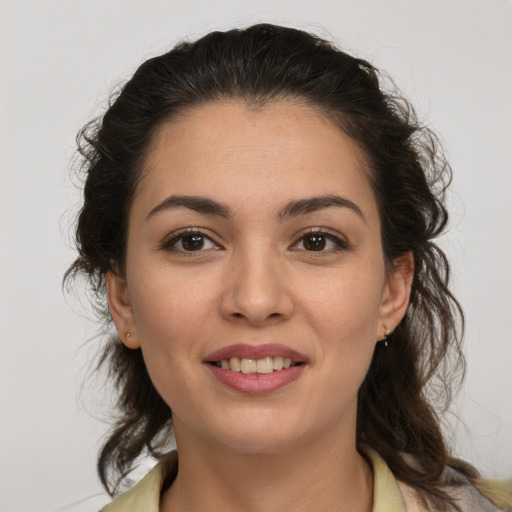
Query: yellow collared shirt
389	495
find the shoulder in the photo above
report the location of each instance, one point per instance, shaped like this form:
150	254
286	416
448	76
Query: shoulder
145	496
497	491
394	495
485	495
467	497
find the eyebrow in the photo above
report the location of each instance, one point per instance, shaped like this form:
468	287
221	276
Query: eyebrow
294	208
313	204
197	203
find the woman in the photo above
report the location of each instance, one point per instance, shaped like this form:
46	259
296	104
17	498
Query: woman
260	216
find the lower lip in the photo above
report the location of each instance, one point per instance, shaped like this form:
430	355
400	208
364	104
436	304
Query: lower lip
257	383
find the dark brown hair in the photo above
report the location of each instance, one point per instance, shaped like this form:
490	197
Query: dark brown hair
408	384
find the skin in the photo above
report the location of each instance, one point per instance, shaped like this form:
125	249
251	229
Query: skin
256	280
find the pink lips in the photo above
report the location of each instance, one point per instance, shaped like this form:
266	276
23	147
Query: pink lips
243	350
256	383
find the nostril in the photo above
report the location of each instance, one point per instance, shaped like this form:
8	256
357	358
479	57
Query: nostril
241	315
255	305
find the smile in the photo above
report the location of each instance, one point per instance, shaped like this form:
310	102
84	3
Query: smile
248	366
256	369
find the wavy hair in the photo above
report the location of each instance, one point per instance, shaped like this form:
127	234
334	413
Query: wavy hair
409	383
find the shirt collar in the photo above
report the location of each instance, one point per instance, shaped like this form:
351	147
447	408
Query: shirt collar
386	493
145	496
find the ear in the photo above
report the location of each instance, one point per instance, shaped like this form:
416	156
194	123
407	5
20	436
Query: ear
121	309
396	295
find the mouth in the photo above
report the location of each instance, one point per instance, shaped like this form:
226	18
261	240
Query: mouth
256	369
262	366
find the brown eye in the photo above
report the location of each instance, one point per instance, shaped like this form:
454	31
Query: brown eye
187	242
194	242
314	242
320	241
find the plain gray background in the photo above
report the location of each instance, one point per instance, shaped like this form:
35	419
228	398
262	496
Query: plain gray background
59	60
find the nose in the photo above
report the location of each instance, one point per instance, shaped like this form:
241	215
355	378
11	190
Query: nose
256	290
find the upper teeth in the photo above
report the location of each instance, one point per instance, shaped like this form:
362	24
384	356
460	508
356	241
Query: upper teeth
265	365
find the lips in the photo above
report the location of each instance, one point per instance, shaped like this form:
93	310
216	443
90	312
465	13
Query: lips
256	369
246	351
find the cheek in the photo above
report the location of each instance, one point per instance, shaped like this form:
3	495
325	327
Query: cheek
346	304
170	316
347	333
170	309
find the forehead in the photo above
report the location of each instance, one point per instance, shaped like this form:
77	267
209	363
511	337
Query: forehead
228	149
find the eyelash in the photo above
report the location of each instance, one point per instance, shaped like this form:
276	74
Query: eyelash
339	243
168	245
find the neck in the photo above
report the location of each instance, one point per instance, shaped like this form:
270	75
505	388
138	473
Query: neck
324	475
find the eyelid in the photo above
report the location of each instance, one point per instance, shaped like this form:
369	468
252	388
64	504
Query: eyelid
170	240
336	237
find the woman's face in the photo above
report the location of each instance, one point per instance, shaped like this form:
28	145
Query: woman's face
254	238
